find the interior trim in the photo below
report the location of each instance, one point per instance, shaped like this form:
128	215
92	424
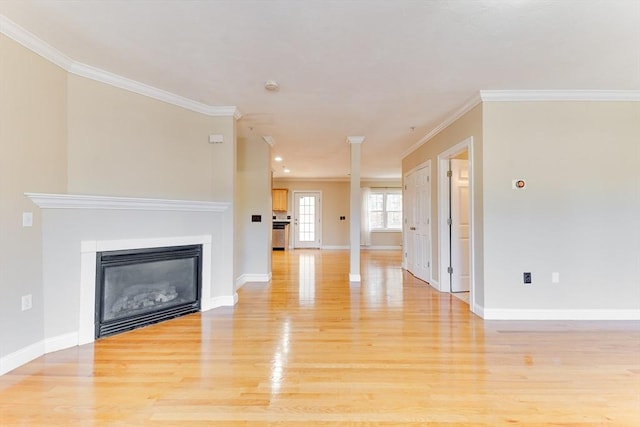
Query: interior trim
524	96
33	43
75	201
559	95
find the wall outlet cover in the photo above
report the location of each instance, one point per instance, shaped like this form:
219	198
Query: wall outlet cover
27	302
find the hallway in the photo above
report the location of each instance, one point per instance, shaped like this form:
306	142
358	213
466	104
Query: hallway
310	348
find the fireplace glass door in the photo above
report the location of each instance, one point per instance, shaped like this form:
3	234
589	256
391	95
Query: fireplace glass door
138	287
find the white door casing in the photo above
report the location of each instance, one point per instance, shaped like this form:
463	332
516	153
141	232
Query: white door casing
443	215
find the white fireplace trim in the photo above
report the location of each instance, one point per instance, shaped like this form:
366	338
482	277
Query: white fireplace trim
76	201
88	250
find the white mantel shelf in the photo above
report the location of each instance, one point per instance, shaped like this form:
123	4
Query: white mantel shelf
76	201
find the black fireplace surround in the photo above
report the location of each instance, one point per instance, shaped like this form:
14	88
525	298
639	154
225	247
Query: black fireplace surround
135	288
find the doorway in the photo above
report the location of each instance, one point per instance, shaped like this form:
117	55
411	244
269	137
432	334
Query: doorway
455	224
307	227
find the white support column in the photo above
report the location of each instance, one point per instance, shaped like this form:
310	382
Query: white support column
354	210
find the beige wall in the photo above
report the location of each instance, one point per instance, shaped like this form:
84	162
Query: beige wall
387	239
579	213
33	143
253	197
125	144
469	125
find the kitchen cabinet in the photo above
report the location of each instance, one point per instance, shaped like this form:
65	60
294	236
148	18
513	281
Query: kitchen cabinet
279	197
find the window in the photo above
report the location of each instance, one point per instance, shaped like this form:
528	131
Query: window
385	209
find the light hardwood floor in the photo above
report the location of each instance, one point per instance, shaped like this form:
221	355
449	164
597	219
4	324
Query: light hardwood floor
312	349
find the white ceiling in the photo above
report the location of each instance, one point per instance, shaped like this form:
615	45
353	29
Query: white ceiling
376	68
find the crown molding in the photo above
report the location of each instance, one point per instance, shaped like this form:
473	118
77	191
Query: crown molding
466	107
33	43
559	95
524	96
75	201
134	86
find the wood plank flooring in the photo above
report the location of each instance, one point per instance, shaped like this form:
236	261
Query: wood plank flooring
311	349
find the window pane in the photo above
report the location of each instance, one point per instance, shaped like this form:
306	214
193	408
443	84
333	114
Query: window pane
394	220
394	202
376	202
376	220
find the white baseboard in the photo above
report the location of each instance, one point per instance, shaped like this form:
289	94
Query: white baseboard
571	314
478	310
246	278
363	248
381	248
33	351
222	301
354	277
18	358
61	342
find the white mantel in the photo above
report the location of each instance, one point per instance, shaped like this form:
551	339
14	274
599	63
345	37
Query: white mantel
78	201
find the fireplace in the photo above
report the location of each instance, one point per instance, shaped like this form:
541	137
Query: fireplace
139	287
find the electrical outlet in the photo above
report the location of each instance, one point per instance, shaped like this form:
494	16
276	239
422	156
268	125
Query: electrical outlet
527	278
555	277
27	302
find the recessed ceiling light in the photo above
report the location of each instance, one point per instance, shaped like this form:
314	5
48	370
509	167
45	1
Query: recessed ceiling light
286	170
271	86
277	158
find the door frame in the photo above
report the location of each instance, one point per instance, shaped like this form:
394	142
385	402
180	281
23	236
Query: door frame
292	236
405	233
443	214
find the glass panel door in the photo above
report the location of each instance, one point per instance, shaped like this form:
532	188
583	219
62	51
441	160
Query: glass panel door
307	220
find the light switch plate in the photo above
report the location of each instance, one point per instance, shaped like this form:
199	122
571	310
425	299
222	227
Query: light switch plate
27	219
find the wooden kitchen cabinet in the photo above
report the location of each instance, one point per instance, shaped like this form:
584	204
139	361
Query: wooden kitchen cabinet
279	198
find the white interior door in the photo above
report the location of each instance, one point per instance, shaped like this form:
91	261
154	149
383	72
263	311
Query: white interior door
460	225
419	220
409	227
306	220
